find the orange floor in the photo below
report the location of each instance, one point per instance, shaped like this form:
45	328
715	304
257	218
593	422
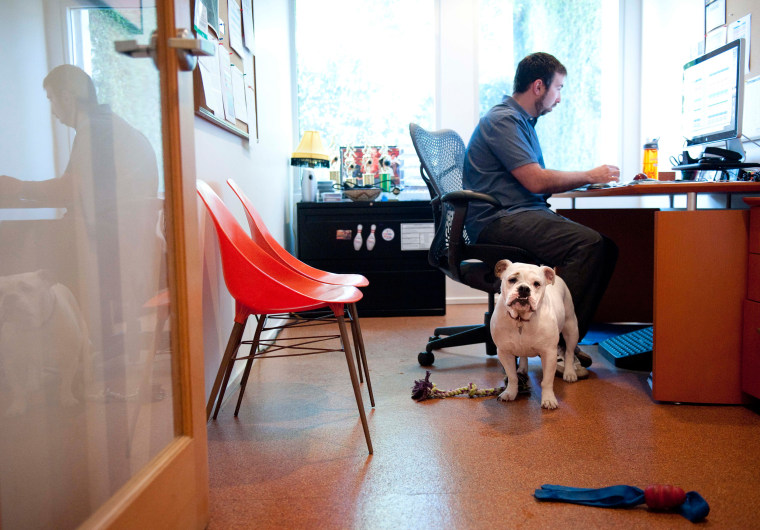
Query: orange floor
296	456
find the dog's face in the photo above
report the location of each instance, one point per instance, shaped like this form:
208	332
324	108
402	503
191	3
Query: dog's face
522	286
26	299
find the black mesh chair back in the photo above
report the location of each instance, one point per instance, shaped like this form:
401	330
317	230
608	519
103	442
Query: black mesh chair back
441	155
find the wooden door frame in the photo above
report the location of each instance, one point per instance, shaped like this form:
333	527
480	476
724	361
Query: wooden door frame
171	491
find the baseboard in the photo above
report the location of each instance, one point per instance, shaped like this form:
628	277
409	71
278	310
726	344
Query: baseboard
453	300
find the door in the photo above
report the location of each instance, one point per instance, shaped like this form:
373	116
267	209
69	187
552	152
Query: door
101	383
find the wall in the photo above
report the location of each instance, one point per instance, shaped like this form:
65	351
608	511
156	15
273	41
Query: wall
260	168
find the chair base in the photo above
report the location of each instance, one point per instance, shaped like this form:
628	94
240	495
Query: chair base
459	336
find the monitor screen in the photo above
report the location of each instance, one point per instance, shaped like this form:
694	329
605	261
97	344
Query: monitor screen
712	95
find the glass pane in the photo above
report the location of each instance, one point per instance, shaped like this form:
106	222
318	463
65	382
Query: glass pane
582	131
86	371
366	71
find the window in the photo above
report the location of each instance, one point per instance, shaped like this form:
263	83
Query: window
364	71
582	131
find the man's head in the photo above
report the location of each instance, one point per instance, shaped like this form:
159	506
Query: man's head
69	88
540	77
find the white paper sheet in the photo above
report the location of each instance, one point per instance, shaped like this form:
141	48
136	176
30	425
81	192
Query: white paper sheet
741	29
250	91
248	25
238	89
235	26
228	96
715	15
715	39
751	121
212	90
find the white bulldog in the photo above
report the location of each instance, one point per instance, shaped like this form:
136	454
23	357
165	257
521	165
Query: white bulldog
534	307
40	326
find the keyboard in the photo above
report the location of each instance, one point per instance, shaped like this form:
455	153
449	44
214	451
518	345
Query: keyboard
632	351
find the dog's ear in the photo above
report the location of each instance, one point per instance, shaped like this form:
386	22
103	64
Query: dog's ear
501	266
549	275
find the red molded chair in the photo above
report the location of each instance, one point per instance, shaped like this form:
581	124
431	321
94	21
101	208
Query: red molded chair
262	286
261	235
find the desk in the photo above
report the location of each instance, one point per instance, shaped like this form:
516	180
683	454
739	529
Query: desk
699	278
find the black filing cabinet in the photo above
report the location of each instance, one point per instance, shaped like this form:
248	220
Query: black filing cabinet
401	282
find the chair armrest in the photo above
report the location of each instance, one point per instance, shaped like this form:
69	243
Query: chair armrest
468	196
460	201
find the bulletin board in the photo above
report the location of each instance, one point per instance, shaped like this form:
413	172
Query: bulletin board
234	33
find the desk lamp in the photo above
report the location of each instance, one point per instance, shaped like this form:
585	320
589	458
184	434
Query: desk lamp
309	154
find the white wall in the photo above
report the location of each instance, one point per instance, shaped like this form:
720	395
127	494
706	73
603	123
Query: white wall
24	64
260	168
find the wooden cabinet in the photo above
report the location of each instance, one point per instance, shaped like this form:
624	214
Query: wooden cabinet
751	334
700	278
401	281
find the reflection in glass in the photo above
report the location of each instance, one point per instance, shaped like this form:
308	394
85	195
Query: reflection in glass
85	358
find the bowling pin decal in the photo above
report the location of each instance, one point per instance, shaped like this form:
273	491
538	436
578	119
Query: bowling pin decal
371	238
358	239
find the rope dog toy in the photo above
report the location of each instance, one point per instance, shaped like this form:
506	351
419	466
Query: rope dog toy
425	389
691	505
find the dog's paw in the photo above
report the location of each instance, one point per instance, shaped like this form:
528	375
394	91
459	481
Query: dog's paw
508	395
549	402
570	376
522	369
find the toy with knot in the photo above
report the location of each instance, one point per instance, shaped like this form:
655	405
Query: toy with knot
661	497
425	389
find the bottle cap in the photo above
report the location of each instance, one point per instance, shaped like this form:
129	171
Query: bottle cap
652	144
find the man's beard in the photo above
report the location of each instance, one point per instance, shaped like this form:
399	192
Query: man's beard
541	108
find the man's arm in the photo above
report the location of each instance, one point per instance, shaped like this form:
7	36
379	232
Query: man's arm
13	189
539	180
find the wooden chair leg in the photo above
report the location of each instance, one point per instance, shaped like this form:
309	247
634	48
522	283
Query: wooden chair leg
360	353
354	378
232	345
254	347
357	348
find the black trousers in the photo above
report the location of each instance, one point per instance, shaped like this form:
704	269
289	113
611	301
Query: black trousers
584	258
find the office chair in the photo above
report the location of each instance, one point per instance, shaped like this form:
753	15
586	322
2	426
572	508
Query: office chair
441	155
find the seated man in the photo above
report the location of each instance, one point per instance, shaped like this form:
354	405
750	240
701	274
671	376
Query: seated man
504	159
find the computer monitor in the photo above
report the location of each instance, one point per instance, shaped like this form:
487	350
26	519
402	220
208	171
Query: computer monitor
713	93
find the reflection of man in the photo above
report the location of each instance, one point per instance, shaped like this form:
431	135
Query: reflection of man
109	189
504	159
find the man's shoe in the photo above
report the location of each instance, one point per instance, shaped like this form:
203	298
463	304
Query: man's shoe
580	371
583	357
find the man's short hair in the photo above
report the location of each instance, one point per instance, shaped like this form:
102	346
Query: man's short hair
538	65
73	79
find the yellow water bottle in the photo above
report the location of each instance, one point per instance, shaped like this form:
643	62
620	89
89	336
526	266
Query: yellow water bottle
650	159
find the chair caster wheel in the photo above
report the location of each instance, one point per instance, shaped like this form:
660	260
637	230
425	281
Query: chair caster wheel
426	358
490	348
434	337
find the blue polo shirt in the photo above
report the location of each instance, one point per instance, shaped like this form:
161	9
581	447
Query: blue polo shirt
504	139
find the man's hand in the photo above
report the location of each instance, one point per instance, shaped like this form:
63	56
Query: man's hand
604	174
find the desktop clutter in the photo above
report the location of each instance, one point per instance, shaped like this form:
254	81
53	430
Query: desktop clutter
362	173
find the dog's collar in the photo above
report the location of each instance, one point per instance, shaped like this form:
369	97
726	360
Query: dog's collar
519	321
518	318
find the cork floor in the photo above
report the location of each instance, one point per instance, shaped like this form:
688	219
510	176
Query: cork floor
296	455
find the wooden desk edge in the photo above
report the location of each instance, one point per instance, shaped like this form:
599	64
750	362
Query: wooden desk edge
665	188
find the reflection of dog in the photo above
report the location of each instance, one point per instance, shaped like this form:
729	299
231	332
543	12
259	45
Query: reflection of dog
40	324
534	307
